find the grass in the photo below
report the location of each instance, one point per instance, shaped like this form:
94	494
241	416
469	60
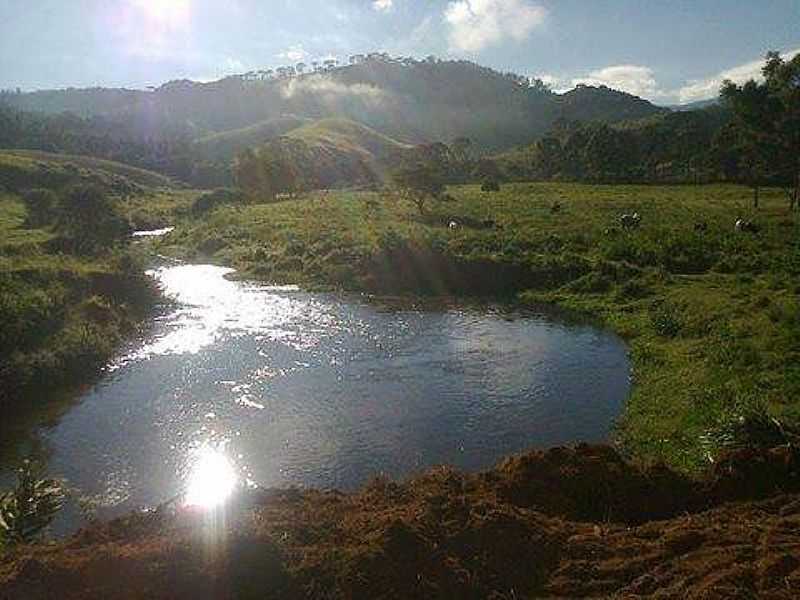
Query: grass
36	159
711	317
61	315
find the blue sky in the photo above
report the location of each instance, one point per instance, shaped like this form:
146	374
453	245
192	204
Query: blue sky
665	50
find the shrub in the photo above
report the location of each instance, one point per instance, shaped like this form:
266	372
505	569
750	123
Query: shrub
749	425
90	218
30	507
41	205
666	318
211	200
490	185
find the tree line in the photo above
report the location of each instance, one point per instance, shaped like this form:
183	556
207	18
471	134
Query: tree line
752	137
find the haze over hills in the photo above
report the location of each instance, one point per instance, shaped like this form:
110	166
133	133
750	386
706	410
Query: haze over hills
411	101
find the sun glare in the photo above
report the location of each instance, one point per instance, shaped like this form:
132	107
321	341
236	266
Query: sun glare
165	12
212	479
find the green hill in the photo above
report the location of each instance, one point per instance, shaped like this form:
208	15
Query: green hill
227	144
21	169
332	153
347	136
410	100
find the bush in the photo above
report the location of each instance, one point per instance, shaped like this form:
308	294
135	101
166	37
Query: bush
41	205
666	318
90	218
490	185
208	202
749	425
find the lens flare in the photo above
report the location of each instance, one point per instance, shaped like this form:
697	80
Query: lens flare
165	12
212	479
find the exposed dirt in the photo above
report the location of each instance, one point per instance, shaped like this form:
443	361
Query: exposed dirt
562	523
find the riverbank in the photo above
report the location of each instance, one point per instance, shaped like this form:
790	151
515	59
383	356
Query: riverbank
62	314
563	523
711	314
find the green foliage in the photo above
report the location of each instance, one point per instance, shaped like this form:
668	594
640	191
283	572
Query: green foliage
766	121
490	185
90	218
41	206
419	183
748	424
666	318
30	507
211	200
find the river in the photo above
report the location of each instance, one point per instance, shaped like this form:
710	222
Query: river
241	382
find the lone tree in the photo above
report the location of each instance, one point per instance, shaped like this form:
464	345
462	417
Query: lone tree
419	183
767	117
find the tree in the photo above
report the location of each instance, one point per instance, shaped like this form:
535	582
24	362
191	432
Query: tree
419	183
767	116
248	175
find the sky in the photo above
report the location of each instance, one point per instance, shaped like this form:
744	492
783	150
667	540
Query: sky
668	51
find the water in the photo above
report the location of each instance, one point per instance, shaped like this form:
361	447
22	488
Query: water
273	385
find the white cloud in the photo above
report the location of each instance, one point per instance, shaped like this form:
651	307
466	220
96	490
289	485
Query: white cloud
294	53
331	92
476	24
633	79
554	82
383	5
702	89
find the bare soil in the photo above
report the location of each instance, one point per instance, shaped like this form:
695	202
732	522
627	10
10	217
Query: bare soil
565	523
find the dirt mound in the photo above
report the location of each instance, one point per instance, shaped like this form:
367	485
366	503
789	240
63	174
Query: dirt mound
563	523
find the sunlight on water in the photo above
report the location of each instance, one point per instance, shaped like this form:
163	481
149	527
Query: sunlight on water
153	232
239	382
212	479
212	306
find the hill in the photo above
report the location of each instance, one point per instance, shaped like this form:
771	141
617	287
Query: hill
68	162
344	135
227	144
25	169
589	103
328	153
409	100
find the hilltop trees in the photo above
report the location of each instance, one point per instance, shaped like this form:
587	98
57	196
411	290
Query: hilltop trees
766	117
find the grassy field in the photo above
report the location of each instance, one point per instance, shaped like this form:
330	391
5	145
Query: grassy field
35	160
711	316
62	314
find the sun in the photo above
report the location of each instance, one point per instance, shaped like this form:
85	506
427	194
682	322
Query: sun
168	13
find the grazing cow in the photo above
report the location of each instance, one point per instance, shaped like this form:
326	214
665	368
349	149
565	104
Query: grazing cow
452	225
630	221
555	207
746	226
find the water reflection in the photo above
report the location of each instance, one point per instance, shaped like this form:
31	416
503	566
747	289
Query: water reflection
153	232
212	479
239	382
